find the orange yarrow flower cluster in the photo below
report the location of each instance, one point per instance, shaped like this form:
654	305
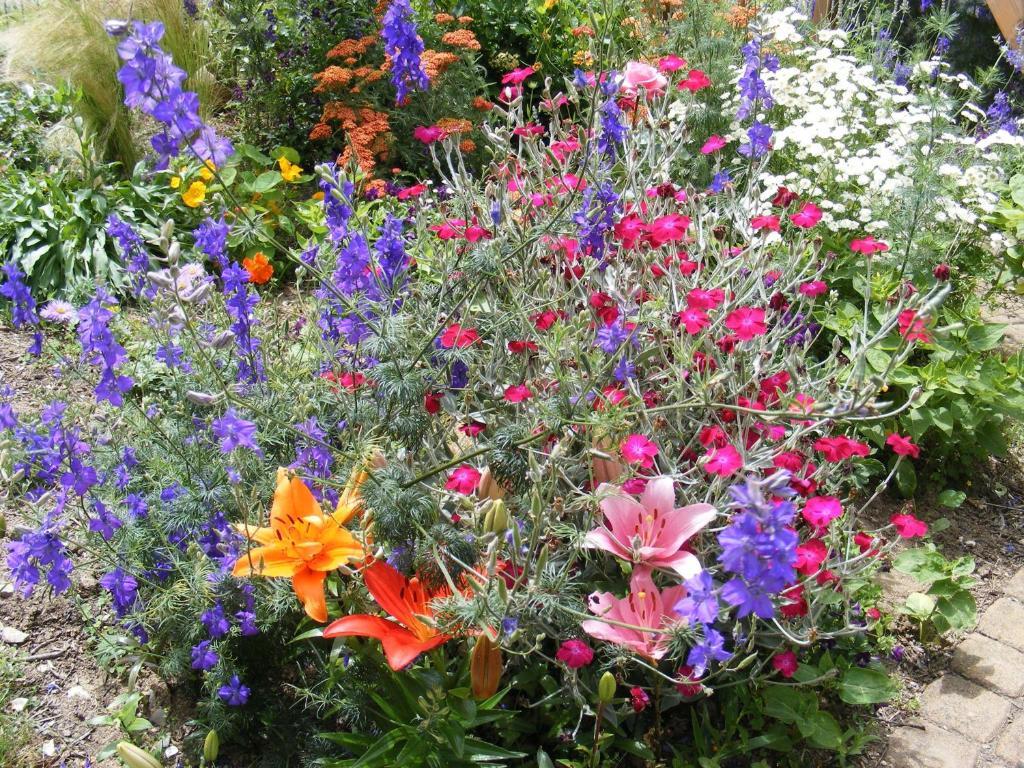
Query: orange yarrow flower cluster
461	38
302	542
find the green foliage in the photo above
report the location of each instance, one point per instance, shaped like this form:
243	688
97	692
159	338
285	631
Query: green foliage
947	604
64	41
27	113
53	221
15	732
268	53
424	718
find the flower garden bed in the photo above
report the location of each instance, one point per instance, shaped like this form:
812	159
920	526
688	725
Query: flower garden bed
572	435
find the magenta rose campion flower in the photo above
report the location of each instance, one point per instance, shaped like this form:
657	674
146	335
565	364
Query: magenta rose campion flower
575	654
652	531
639	76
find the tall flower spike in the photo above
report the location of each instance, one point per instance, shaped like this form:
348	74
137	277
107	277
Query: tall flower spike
404	45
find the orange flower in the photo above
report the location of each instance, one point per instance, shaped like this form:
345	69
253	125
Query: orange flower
302	542
443	18
461	38
482	104
320	131
405	636
436	63
467	146
259	268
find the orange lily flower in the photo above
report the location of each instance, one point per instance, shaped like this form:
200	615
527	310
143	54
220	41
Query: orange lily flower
302	542
406	636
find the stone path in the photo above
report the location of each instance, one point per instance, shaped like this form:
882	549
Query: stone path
973	715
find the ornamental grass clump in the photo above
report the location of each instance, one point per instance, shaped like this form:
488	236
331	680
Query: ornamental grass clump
565	456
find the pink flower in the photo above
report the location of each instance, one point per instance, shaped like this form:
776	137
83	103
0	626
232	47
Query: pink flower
809	556
651	531
840	447
639	698
723	461
688	684
455	336
693	320
463	480
819	511
670	228
908	526
629	229
474	234
868	245
510	93
575	654
712	145
636	76
698	298
517	393
785	663
912	328
528	130
428	134
770	223
645	606
671	63
746	323
902	446
517	76
695	81
637	449
808	215
814	288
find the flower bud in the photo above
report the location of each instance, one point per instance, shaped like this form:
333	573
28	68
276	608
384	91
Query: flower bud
941	272
201	398
222	339
485	668
606	688
496	520
211	746
134	757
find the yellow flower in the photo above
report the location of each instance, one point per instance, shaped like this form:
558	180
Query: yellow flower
549	4
175	182
289	171
193	197
206	172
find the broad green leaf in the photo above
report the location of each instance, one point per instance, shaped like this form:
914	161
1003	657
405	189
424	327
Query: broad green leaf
952	499
821	729
866	685
266	181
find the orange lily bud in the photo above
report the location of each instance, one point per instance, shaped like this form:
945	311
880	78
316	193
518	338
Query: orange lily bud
485	668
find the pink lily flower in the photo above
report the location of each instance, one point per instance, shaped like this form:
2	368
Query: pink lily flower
651	531
644	606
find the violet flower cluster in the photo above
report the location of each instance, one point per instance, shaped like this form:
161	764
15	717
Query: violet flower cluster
405	47
153	84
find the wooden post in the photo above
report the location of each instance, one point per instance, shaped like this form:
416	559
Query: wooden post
821	9
1008	15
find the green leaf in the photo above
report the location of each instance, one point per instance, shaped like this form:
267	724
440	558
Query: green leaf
787	704
918	605
906	479
866	685
952	499
543	761
266	181
957	610
822	730
982	338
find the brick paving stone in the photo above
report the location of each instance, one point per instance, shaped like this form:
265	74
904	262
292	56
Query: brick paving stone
1004	621
960	705
930	747
1016	586
990	663
1010	746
